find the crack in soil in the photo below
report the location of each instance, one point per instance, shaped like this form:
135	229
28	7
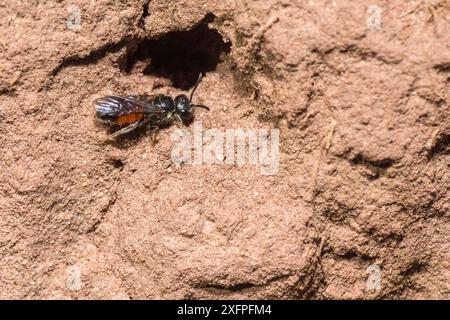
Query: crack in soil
92	57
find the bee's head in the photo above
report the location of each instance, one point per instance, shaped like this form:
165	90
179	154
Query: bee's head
183	104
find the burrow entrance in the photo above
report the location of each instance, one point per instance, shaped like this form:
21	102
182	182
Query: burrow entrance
180	56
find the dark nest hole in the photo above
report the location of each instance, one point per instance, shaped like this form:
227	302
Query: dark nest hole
180	56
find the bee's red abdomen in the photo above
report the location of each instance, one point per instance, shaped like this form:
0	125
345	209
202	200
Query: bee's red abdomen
129	118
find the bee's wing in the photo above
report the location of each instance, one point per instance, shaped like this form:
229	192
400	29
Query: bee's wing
115	106
147	98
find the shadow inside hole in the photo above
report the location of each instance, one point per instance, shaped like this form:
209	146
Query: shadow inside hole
180	56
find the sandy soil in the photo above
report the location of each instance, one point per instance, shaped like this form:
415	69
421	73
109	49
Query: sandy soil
358	209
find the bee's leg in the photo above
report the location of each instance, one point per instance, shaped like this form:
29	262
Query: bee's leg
178	120
127	129
153	134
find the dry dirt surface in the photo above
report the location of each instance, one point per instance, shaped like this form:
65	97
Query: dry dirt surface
359	206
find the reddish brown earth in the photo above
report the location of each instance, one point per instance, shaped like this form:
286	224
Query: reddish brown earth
364	170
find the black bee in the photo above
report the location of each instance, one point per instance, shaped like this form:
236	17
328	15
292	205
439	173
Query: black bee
156	110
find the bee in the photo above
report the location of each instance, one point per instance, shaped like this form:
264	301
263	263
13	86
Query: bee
134	111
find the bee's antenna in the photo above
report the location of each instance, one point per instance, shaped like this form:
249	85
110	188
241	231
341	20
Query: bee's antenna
196	85
199	106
